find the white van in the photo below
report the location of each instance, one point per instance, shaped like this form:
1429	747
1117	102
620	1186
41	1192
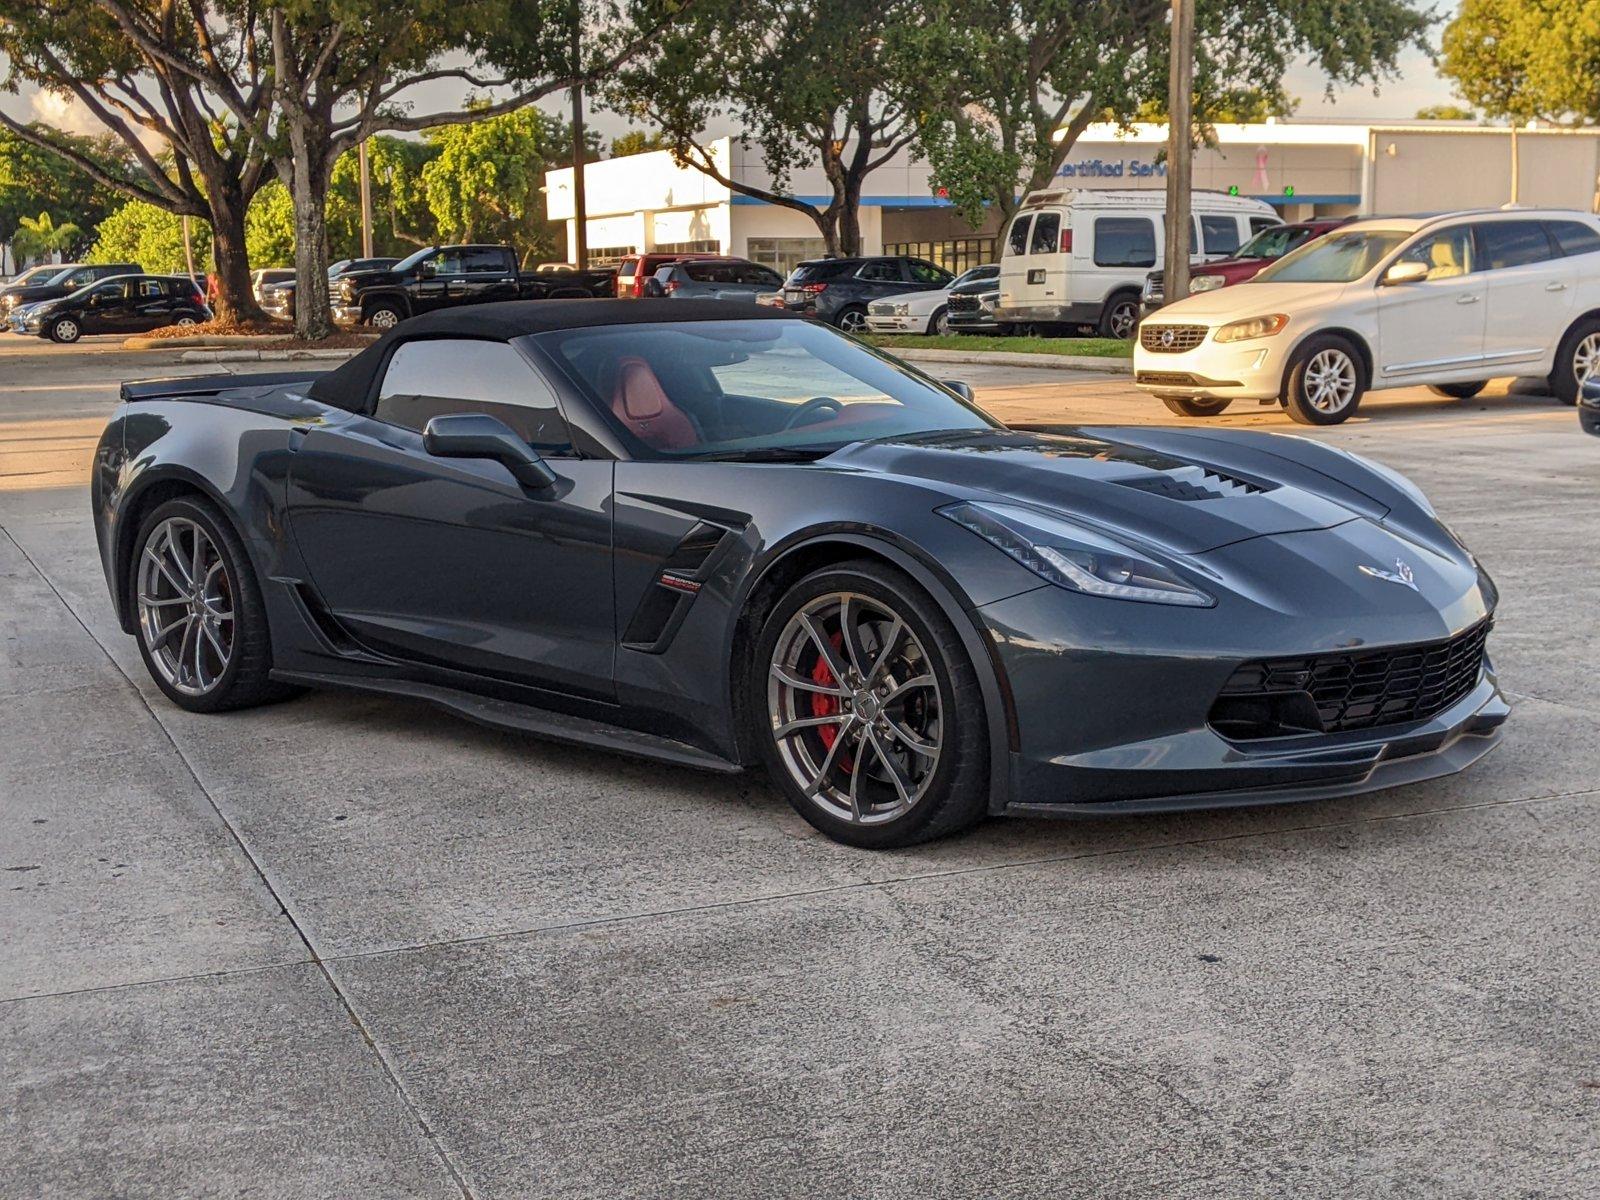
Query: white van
1078	257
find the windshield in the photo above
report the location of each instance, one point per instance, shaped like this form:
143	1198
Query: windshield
1340	257
1274	242
411	260
977	275
35	275
749	389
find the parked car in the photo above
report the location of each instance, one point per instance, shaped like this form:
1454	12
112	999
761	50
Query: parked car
1589	406
1449	301
925	312
68	278
634	271
838	290
36	274
1266	247
721	536
1072	257
261	279
438	277
972	303
712	279
125	304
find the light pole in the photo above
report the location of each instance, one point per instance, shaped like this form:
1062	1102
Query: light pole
580	208
1180	152
366	199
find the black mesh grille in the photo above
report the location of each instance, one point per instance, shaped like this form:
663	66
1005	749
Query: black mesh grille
1331	693
1182	337
964	302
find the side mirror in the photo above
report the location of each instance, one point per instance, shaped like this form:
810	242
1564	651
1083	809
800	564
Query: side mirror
960	388
1404	272
478	435
654	289
428	268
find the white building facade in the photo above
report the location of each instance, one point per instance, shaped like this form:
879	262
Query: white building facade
646	202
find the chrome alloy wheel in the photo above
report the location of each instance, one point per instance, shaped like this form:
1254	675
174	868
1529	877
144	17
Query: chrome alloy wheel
853	321
1330	381
186	612
854	708
1586	359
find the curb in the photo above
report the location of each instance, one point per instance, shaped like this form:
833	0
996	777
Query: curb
216	356
1008	358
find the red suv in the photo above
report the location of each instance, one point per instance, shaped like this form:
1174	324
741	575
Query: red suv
636	269
1266	247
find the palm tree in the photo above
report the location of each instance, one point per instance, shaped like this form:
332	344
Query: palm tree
41	235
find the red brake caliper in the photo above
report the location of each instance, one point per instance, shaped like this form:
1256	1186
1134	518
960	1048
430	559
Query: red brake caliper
827	706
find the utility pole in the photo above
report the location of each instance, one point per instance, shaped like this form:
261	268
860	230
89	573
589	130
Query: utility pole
580	207
366	199
1180	152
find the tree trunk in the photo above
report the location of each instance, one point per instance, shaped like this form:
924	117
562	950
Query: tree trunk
849	220
234	302
308	171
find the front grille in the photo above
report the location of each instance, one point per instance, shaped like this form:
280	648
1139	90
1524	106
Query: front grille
1183	337
1364	689
964	302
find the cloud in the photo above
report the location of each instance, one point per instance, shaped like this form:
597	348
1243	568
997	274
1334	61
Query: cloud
67	113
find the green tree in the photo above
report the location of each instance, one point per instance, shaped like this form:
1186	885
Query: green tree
1445	112
34	180
191	78
808	82
269	227
1524	59
401	220
638	141
150	236
1020	80
39	236
486	180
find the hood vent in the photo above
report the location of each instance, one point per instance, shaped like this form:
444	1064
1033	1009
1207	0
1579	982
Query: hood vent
1194	483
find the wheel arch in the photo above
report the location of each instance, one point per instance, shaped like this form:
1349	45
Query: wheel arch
1363	350
149	493
804	553
396	296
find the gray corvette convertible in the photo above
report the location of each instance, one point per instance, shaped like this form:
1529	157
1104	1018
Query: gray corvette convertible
722	537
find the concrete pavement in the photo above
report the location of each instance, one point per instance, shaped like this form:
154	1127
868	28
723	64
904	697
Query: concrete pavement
351	947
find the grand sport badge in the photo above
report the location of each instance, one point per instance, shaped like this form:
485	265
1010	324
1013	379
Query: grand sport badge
1401	574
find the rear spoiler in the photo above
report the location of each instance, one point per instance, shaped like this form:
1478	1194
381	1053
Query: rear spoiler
210	385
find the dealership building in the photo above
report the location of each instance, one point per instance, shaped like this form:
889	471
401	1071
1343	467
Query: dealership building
647	202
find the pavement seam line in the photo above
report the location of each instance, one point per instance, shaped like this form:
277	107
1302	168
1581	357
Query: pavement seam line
955	873
388	1068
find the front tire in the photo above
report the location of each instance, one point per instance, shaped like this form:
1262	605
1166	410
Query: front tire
1577	360
1326	382
871	720
66	331
1194	406
1457	391
201	623
384	316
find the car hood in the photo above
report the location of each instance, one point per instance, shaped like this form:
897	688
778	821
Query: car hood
1184	497
32	295
1252	298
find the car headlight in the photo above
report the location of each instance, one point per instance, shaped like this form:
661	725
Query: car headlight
1253	327
1074	557
1206	283
10	302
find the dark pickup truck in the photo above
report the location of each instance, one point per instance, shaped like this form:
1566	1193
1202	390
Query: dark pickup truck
448	276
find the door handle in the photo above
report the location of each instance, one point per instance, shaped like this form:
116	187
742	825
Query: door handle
1555	287
458	281
1467	299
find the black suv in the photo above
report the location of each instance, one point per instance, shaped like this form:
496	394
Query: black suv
126	304
837	290
64	282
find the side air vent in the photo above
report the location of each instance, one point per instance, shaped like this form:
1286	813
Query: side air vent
1194	483
663	607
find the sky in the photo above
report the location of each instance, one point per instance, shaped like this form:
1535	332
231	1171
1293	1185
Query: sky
1418	85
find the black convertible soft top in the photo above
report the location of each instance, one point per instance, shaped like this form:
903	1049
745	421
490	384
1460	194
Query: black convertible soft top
350	385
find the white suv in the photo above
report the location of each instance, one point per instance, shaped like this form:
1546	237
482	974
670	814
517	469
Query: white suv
1449	301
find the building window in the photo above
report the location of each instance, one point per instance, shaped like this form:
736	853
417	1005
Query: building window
954	254
704	246
786	253
610	256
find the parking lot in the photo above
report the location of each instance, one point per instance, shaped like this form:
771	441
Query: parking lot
350	947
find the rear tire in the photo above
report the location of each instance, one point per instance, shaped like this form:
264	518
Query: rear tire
1457	391
847	764
1326	382
1120	317
1193	406
1577	360
852	319
196	676
939	324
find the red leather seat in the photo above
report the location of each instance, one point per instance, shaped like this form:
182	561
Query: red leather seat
641	404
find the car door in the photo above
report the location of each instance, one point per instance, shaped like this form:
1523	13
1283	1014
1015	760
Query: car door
452	562
149	305
108	308
487	273
432	287
1435	325
881	277
1046	279
1530	291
